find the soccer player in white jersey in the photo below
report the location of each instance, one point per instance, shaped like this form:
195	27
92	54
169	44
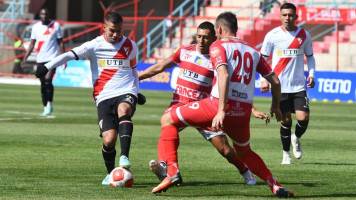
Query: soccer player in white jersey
288	44
46	40
228	108
194	83
112	59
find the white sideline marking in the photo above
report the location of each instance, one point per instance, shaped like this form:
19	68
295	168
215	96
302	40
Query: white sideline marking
19	112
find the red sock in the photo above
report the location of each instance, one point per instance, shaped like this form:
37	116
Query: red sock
237	162
254	162
167	148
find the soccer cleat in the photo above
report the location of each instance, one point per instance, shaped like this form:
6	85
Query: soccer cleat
158	168
286	158
249	178
47	111
282	192
167	183
106	180
124	162
297	148
278	190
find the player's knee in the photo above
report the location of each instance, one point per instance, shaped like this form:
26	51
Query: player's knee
47	82
109	139
166	119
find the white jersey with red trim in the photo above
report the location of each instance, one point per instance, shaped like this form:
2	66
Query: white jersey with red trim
113	67
242	63
288	49
195	76
46	37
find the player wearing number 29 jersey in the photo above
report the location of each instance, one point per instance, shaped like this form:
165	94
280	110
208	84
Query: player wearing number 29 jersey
229	107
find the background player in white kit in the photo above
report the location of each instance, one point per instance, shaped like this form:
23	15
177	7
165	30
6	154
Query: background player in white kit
288	44
112	59
48	35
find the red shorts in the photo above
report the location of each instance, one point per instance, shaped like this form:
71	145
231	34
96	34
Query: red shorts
201	113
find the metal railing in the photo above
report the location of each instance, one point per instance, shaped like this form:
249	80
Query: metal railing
158	35
15	10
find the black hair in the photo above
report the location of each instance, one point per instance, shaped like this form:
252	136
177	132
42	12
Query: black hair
113	17
288	6
227	20
209	26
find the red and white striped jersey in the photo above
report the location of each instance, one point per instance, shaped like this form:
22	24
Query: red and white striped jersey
195	76
46	37
113	67
288	49
242	63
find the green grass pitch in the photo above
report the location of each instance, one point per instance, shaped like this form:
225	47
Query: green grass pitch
60	158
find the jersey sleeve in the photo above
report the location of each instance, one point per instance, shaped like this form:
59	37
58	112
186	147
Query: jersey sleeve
263	67
84	51
59	32
267	45
308	48
176	56
217	55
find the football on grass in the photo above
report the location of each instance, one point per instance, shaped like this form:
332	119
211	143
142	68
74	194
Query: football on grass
121	177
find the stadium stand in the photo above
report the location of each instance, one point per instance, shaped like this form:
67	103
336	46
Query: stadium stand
331	54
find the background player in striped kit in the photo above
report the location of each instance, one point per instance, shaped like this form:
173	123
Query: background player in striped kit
47	35
112	59
288	44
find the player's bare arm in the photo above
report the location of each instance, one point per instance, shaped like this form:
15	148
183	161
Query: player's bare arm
311	69
276	94
223	85
30	49
156	69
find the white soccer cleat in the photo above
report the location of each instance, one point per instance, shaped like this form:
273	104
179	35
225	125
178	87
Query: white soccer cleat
106	180
158	168
249	178
286	158
297	148
124	162
47	111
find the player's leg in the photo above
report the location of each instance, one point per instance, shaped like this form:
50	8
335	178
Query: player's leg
107	125
301	104
47	91
286	106
255	162
125	110
221	144
196	114
159	167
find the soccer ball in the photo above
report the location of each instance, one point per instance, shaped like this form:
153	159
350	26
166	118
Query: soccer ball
121	177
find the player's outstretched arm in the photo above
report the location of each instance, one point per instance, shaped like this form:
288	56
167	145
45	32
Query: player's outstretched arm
57	61
155	69
276	95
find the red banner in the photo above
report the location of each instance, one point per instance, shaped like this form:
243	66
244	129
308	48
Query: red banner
327	15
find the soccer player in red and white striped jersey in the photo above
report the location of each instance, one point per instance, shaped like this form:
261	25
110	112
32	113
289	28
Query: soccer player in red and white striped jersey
112	59
194	83
288	44
229	107
46	40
